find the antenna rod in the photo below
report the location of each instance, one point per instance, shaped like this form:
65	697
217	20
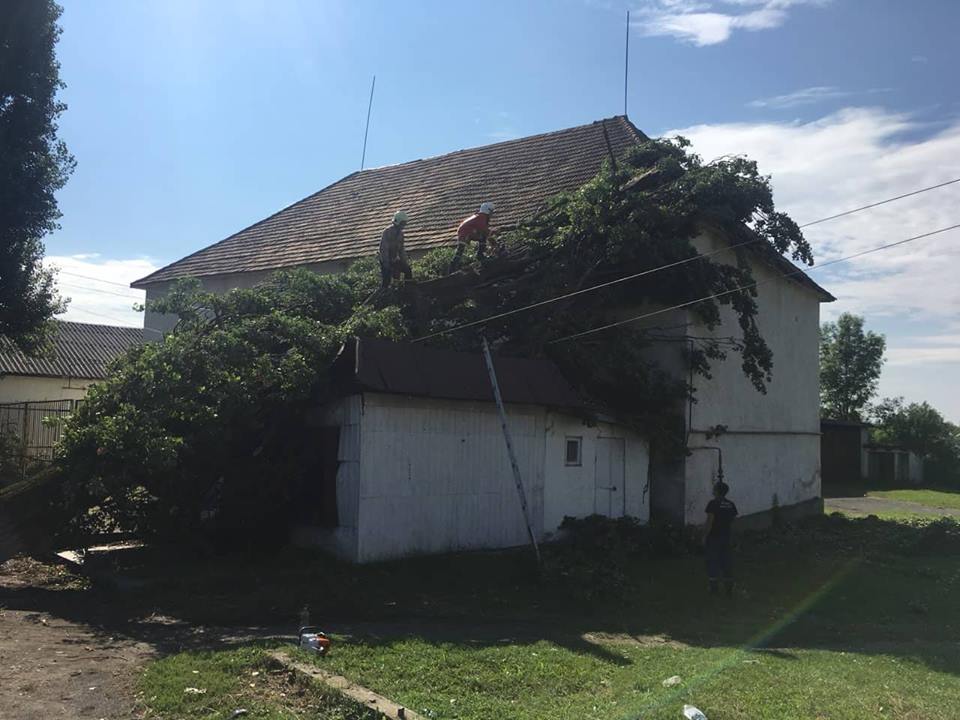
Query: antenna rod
363	158
626	66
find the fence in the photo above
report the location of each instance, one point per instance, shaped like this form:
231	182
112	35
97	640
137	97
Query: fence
29	432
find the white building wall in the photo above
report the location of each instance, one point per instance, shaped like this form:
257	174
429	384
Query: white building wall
26	388
435	477
771	447
571	490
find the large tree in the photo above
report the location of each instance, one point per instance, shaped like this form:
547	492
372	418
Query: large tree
34	164
851	359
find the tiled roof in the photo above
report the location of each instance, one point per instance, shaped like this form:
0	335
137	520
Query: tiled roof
80	350
420	371
345	220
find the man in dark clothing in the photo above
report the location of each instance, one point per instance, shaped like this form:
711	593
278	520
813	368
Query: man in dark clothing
720	515
393	255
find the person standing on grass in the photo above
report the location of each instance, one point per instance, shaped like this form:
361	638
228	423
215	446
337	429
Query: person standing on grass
716	541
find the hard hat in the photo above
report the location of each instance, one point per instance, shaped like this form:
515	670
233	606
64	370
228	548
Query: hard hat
399	217
486	208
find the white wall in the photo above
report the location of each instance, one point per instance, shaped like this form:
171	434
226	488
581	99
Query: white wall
771	448
25	388
435	476
572	490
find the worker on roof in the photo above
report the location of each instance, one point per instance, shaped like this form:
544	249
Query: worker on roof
477	228
393	255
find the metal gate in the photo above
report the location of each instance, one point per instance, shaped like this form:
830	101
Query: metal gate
29	432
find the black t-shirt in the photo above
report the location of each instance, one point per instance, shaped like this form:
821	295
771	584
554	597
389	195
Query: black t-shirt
723	511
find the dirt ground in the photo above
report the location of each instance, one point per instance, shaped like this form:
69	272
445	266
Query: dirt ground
52	667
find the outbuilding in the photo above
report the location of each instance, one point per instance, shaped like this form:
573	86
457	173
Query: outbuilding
415	460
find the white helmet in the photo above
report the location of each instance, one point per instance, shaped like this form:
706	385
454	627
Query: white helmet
486	208
399	217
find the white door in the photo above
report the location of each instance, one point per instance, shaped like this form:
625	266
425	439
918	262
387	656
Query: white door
609	477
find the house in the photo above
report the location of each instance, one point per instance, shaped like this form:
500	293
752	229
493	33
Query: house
35	389
414	460
769	444
79	357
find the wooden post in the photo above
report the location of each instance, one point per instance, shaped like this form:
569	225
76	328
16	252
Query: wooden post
506	436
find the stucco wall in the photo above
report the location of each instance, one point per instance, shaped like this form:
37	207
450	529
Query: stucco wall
23	388
771	447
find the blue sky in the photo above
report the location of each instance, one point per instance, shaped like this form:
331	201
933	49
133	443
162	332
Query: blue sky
190	120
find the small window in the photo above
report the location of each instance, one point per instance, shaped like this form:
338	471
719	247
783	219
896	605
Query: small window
573	456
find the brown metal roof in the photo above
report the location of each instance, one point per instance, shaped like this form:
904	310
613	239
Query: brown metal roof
344	220
80	350
412	369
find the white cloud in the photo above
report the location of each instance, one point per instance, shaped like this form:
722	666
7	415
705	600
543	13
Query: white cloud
98	287
856	157
709	22
809	96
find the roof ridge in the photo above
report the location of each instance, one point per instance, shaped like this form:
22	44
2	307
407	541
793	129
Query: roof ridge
499	143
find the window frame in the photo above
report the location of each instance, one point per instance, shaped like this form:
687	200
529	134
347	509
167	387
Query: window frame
578	439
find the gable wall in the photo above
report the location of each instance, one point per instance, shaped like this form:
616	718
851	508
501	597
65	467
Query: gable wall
771	448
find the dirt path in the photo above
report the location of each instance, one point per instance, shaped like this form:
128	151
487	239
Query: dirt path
872	505
51	668
54	667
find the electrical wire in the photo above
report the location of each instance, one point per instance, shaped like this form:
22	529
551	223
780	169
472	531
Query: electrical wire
882	202
85	288
634	276
90	277
748	286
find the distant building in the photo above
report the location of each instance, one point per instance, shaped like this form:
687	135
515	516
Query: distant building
36	389
80	355
849	458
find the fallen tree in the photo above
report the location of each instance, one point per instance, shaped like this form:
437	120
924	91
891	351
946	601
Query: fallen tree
208	429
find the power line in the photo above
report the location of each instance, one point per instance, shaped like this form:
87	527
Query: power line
90	277
86	288
634	276
748	286
882	202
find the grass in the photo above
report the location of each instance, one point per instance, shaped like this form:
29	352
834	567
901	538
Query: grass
213	685
925	496
838	619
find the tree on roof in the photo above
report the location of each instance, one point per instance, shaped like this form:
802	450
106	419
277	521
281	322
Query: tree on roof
213	417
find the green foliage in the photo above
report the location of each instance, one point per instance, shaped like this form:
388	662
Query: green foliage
214	417
850	364
208	430
922	429
34	164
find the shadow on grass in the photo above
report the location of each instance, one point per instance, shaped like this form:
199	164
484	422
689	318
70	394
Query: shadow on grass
867	586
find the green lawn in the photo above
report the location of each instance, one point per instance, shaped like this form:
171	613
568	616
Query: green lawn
213	685
838	619
924	496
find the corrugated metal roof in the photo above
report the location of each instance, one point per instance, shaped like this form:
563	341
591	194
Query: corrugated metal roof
413	369
80	350
344	220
